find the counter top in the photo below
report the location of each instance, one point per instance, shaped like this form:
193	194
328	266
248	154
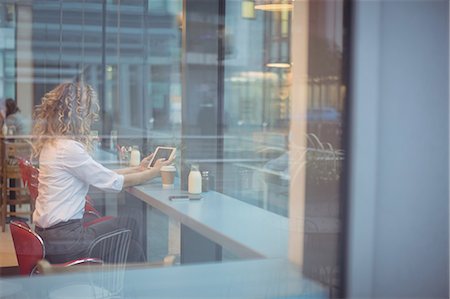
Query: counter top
246	230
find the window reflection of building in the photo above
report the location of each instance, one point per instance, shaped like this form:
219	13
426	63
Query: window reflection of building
7	50
257	94
232	98
136	60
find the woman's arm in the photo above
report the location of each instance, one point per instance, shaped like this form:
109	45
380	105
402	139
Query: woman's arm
137	178
142	166
127	170
141	176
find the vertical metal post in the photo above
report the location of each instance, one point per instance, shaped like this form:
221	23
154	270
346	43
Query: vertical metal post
145	70
103	67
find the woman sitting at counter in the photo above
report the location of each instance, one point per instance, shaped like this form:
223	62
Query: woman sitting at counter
61	142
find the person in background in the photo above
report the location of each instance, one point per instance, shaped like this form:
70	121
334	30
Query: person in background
2	114
14	119
61	142
2	120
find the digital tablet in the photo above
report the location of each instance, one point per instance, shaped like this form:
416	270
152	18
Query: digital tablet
162	152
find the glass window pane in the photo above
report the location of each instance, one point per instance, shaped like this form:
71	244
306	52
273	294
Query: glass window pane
250	94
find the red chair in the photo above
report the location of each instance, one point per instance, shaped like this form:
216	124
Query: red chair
89	208
30	178
30	249
91	215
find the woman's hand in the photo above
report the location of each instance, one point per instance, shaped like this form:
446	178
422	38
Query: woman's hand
145	174
158	164
145	162
162	162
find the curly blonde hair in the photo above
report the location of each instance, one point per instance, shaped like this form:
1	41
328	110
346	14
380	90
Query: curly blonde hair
67	111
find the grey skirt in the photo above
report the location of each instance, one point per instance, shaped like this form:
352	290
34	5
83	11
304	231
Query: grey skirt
70	240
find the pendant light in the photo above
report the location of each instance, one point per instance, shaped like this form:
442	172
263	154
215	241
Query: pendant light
274	5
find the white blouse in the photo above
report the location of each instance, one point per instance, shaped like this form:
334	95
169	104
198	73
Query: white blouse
66	171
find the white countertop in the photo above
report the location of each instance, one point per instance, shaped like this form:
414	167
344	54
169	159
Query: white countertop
246	230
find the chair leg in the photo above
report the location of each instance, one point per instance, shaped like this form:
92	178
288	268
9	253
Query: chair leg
3	212
15	195
2	190
1	206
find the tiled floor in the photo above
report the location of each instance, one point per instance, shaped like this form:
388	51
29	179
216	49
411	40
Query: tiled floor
7	253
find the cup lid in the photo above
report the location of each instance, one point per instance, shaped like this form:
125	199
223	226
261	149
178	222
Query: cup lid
168	168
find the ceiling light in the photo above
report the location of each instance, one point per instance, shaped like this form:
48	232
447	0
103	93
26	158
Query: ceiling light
281	65
274	5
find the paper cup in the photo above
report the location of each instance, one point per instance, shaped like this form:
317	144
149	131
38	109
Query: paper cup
168	176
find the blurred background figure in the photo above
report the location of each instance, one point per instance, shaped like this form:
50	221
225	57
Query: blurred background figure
2	113
11	116
14	119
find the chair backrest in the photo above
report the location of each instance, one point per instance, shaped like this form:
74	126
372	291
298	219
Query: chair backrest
89	209
30	177
23	166
28	245
112	249
13	152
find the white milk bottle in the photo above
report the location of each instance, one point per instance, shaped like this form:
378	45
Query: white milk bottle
194	180
135	156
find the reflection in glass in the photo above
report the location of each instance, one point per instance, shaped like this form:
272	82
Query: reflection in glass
213	79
